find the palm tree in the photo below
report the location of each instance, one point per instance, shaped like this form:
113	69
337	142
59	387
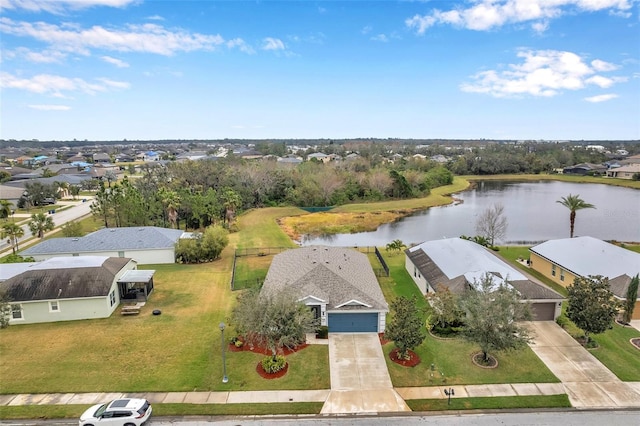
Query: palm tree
171	200
14	233
574	203
5	208
40	223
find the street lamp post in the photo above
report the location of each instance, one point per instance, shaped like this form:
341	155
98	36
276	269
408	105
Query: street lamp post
225	379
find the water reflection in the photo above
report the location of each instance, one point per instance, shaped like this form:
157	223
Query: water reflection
531	209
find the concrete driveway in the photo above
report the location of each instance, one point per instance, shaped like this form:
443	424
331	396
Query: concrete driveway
360	381
586	380
635	324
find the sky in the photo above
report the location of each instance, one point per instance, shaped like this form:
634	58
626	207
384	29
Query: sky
454	69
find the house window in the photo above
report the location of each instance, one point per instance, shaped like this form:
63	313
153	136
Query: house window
112	298
561	274
553	270
16	312
54	306
415	271
75	254
120	254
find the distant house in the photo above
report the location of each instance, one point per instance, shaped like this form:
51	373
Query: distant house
319	156
585	169
564	260
101	157
144	244
338	285
150	156
289	160
458	264
624	172
67	289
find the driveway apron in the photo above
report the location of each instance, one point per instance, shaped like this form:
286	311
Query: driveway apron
586	380
360	381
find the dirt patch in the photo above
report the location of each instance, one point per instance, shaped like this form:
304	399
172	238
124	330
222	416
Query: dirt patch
478	359
636	342
269	376
413	360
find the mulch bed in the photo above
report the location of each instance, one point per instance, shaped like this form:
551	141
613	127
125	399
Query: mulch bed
636	342
264	350
275	375
478	360
413	360
383	340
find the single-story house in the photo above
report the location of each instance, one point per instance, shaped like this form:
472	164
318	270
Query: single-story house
624	172
145	244
458	264
338	284
563	260
585	169
67	289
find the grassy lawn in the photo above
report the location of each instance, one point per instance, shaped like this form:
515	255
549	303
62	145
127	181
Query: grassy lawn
511	253
545	401
452	357
251	269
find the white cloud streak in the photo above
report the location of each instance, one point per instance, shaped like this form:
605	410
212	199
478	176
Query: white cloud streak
271	43
601	98
57	86
147	38
59	6
484	15
543	73
115	61
50	107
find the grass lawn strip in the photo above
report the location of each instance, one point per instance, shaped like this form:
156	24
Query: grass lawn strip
487	403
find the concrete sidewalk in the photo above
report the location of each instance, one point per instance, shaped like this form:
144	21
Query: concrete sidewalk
255	397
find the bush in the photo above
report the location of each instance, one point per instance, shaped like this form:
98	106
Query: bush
273	364
323	332
238	343
562	321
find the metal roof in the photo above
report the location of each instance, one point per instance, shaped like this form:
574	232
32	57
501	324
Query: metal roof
137	276
590	256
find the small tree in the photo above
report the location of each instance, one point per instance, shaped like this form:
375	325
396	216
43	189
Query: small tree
445	307
395	246
591	304
492	315
5	310
272	320
40	223
630	300
13	233
406	326
72	229
214	240
492	223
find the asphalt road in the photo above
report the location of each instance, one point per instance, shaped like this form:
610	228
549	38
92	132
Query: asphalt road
539	418
78	210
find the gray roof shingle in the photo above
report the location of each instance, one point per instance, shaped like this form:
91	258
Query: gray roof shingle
334	274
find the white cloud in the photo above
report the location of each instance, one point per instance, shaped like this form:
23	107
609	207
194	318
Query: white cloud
601	98
155	18
148	38
543	73
59	6
366	29
55	85
115	61
50	107
42	57
241	45
484	15
380	37
271	43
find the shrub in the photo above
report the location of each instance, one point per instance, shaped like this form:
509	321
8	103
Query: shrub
562	321
323	332
273	364
238	343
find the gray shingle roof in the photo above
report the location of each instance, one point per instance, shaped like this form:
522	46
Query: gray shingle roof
91	279
112	239
334	274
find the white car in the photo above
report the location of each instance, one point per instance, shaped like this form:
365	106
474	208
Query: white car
119	412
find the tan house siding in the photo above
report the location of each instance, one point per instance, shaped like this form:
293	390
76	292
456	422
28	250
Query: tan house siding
636	311
550	270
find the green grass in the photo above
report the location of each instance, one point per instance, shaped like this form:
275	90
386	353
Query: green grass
617	353
512	253
452	357
251	269
488	403
42	412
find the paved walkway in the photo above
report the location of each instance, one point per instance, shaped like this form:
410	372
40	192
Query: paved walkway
635	324
586	380
360	381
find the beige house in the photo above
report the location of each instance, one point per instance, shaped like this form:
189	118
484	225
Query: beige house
624	172
563	260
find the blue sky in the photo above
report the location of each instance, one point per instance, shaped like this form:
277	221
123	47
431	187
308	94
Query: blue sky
495	69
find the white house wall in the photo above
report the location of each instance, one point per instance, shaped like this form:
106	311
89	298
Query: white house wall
143	257
416	276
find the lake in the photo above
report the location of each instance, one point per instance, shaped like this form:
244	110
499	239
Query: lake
531	210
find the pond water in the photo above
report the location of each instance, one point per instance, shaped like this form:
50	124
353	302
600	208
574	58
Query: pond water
531	210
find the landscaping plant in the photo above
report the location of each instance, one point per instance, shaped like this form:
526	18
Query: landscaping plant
406	326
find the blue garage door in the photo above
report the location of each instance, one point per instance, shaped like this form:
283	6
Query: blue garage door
353	323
